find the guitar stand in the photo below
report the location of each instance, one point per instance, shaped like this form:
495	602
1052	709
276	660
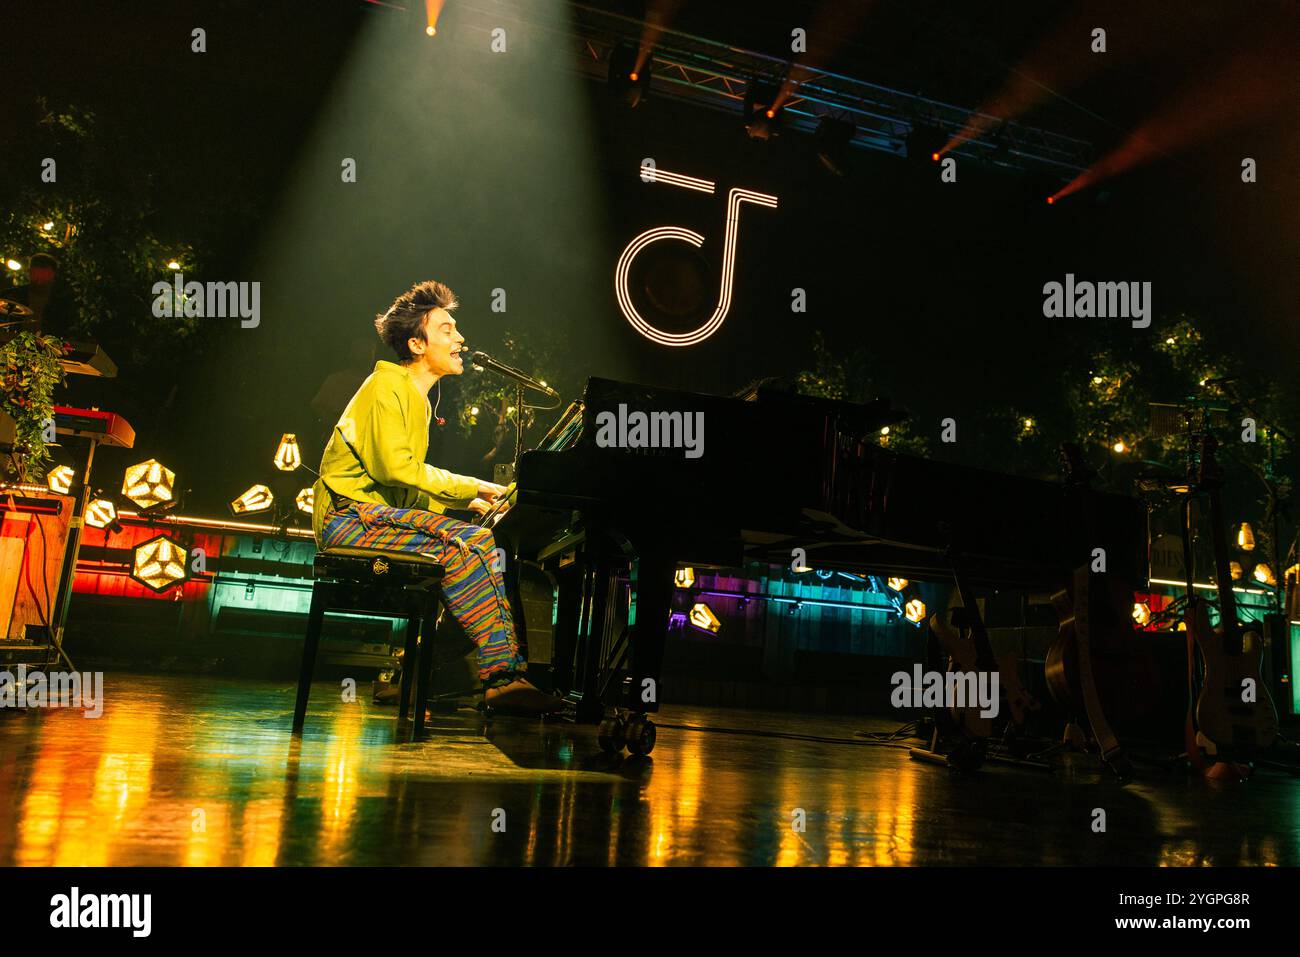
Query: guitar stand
1094	716
967	756
970	751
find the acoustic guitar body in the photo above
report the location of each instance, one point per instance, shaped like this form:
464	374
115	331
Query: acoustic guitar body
1127	677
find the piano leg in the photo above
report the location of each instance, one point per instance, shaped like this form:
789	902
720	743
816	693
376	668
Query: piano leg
582	608
568	611
654	593
592	637
514	599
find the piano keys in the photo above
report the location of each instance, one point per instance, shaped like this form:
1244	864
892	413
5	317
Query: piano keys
106	428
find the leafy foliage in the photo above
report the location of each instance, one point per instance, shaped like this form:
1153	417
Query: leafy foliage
29	371
488	401
849	379
98	223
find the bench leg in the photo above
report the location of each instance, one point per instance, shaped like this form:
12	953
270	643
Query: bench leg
315	620
424	682
410	658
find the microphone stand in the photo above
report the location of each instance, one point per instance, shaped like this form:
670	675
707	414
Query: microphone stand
519	430
483	362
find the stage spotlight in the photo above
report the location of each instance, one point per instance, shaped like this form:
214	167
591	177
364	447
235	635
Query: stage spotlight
1142	613
833	138
430	30
149	483
287	455
60	479
101	513
629	80
158	564
256	499
926	142
761	114
914	611
684	577
306	500
1264	574
703	618
1245	537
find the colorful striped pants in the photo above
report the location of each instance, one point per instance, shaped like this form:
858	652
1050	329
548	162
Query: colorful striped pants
473	593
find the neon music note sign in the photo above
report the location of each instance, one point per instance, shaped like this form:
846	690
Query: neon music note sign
735	197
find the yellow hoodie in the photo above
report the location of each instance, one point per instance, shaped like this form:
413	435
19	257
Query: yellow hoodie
376	451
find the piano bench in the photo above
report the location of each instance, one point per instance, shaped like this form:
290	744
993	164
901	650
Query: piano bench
373	581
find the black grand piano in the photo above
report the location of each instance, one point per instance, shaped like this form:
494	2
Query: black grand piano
777	471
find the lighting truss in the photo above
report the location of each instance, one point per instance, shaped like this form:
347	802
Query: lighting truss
714	75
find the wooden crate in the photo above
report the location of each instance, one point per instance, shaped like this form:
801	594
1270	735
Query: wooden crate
23	552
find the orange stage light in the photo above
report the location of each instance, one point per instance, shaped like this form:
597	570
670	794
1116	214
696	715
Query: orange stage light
432	9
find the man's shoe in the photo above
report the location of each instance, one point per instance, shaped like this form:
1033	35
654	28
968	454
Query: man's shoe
386	692
521	697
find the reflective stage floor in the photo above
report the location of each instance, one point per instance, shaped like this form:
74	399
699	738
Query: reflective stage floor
202	771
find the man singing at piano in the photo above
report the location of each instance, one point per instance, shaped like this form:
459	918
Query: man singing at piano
376	491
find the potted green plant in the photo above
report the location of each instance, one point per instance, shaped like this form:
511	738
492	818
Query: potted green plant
29	371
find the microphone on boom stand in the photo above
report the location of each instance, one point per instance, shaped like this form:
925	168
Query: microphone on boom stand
482	361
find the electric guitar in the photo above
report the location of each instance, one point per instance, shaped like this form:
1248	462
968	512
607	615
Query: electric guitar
1230	716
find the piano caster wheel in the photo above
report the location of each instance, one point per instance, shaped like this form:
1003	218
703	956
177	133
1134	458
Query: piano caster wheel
611	735
641	733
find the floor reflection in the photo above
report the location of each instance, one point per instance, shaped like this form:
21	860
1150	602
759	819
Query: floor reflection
202	771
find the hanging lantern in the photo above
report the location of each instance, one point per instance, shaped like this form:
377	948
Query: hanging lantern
703	618
149	483
1245	537
59	479
287	455
256	499
158	564
101	513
